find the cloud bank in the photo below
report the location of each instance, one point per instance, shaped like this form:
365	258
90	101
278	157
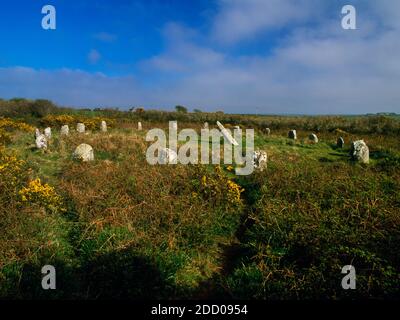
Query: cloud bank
315	67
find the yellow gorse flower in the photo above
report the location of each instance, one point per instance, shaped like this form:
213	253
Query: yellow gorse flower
90	123
219	188
7	123
42	194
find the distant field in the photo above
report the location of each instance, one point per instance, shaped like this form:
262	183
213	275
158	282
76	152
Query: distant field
118	227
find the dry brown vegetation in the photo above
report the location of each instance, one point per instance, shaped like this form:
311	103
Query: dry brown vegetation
132	230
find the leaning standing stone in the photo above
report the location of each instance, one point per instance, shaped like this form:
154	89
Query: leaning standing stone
359	151
65	130
340	142
47	133
84	152
41	142
313	138
292	134
103	126
80	127
139	125
260	159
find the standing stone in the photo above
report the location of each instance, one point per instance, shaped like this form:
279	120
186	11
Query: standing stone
139	125
205	125
313	138
359	151
340	142
174	125
292	134
268	131
227	134
47	133
166	155
103	126
236	127
83	152
41	142
260	159
37	133
65	130
80	127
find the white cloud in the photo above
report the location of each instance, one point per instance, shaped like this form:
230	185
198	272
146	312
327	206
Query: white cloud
70	87
240	20
315	68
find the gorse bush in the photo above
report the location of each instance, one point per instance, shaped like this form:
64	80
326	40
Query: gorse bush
9	124
42	195
119	227
217	188
60	120
24	108
311	220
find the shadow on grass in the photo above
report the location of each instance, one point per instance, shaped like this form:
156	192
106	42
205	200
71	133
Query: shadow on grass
117	275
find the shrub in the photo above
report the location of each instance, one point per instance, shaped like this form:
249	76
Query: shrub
42	195
181	109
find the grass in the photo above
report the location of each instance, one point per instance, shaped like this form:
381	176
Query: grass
132	230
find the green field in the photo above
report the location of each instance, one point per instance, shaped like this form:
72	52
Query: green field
120	228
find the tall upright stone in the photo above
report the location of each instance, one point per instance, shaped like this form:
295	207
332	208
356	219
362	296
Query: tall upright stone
41	142
139	126
260	159
64	130
359	151
205	125
80	127
340	142
292	134
47	133
227	134
103	126
313	138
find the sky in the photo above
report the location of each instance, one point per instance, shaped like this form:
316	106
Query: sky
238	56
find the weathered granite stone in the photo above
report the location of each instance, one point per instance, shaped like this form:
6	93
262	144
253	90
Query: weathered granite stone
292	134
47	133
139	125
260	159
103	126
340	142
65	130
313	138
268	131
80	127
359	151
41	142
84	152
205	125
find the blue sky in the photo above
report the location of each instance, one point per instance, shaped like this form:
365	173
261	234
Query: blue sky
241	56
